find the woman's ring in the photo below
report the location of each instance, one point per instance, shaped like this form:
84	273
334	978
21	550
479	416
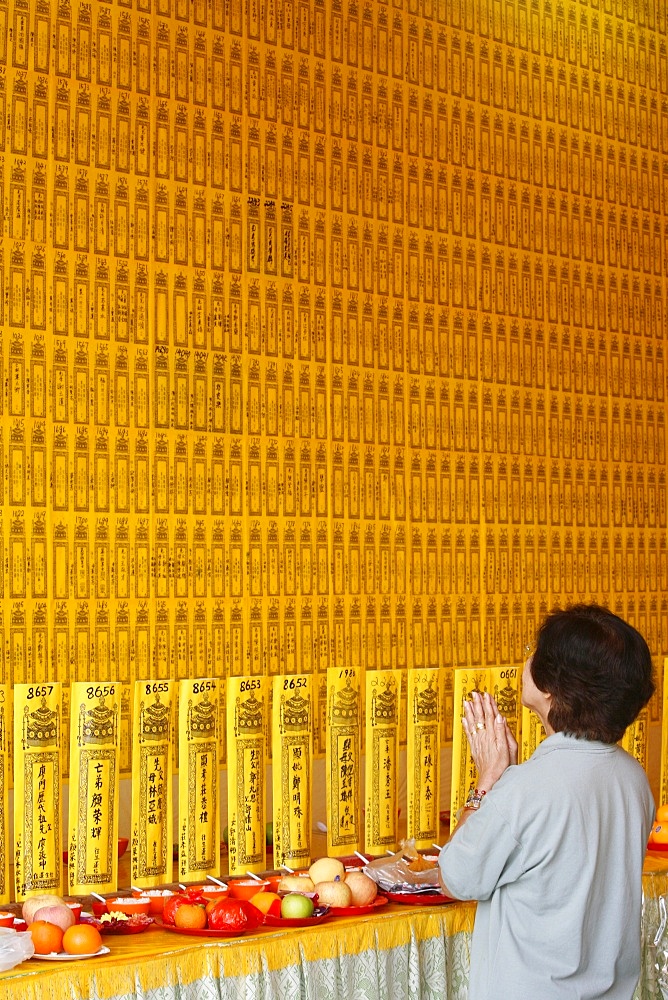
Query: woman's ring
480	725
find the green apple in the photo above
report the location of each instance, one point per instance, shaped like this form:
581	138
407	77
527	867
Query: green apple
296	905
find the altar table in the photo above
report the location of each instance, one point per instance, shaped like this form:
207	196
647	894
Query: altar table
397	952
407	952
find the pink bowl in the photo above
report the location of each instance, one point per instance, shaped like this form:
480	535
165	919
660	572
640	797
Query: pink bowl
246	888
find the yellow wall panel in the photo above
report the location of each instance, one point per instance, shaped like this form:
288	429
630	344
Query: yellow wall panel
329	335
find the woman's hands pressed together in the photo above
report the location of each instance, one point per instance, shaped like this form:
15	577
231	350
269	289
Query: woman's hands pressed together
493	746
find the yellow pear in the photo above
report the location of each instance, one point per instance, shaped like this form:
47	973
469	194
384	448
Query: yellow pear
295	883
363	889
333	893
326	870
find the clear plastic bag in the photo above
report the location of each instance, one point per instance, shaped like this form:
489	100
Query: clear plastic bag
405	871
15	947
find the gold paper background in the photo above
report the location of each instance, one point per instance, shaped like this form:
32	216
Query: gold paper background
332	333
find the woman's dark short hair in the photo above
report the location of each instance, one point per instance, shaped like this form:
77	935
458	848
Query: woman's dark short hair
596	667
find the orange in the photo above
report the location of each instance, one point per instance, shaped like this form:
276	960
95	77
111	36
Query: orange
82	939
659	834
662	814
263	900
190	916
46	937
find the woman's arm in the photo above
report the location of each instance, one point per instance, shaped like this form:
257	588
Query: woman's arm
493	748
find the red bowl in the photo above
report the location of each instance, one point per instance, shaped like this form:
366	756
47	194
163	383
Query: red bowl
245	888
129	905
133	925
215	892
6	919
158	898
98	907
76	910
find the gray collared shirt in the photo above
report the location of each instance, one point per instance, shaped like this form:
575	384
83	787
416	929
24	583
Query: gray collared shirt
554	857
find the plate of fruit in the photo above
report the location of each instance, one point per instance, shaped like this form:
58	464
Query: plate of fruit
54	945
120	923
358	911
430	898
191	913
330	884
658	838
64	956
291	910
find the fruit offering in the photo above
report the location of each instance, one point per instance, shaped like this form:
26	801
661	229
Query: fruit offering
295	906
172	904
189	911
78	939
121	923
295	883
328	880
332	884
267	902
362	888
658	836
56	913
334	893
81	939
34	903
191	916
327	870
233	915
46	937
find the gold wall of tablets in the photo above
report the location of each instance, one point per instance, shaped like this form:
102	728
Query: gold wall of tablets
332	333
